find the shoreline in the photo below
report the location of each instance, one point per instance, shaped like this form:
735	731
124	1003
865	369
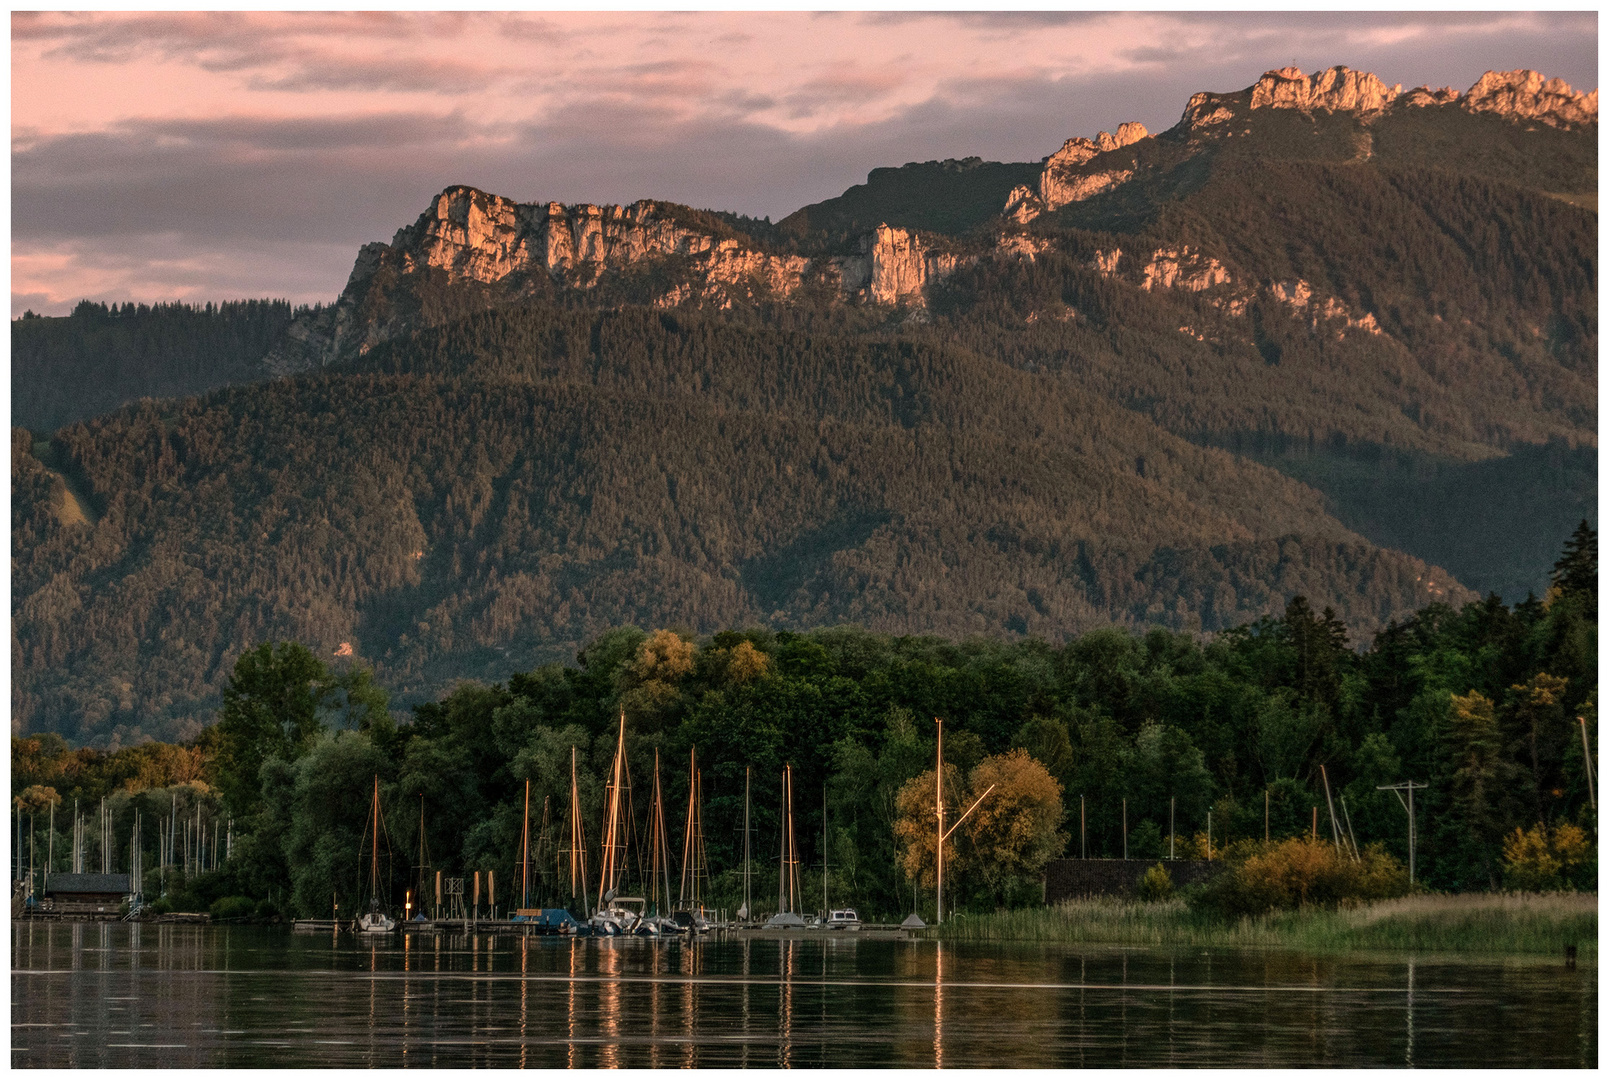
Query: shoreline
1489	924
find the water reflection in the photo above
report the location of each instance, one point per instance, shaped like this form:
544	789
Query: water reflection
118	995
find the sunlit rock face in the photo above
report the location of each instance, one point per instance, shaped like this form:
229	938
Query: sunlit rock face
471	236
1065	181
1520	94
1527	94
893	267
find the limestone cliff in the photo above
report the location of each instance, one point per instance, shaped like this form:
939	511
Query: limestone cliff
470	236
1084	168
1065	178
1520	94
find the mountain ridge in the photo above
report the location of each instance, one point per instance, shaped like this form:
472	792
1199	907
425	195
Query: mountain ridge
1177	400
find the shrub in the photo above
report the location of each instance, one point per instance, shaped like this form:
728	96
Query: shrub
267	910
160	906
1156	885
1537	860
233	907
1261	877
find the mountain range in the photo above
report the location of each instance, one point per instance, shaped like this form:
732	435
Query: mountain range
1323	336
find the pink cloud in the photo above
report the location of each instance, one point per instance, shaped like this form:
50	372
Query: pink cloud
208	127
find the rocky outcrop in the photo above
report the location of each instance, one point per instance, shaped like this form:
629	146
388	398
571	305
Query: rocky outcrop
893	267
1527	94
1182	268
1065	179
470	236
1189	270
1298	294
1339	89
1518	94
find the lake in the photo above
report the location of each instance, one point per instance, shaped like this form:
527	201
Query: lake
128	996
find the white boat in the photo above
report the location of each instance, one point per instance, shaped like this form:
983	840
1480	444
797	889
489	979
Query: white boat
843	919
375	922
616	918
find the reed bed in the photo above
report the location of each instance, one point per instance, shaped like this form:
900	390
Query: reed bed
1489	923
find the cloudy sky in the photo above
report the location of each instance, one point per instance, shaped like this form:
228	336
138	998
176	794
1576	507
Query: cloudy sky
173	155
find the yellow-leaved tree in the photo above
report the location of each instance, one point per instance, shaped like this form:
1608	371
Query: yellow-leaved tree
1002	846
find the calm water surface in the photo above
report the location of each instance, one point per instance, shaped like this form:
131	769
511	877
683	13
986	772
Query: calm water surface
118	995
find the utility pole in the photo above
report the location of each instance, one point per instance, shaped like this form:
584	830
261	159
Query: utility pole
944	834
1407	804
1083	831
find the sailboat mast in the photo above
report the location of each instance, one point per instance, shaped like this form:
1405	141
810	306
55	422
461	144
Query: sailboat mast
611	848
525	850
793	852
421	851
703	855
782	868
374	852
575	829
748	905
689	852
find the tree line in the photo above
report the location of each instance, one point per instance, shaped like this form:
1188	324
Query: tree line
1115	741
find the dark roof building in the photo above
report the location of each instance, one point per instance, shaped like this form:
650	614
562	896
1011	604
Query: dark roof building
86	887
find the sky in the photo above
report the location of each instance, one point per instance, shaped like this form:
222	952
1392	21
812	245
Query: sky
209	156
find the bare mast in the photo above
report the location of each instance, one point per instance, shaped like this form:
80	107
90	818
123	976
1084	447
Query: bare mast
612	822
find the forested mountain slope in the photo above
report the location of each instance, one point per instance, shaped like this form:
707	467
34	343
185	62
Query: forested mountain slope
493	493
966	397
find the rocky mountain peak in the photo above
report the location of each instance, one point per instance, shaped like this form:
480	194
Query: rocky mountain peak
1337	89
1529	94
1519	94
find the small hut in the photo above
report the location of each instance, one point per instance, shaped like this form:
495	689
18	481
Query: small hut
86	894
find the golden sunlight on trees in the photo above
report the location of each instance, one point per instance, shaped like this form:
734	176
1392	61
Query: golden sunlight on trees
916	824
1013	832
661	661
745	663
1004	842
1539	860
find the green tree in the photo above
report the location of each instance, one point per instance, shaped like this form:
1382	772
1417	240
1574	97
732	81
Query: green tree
270	709
1483	788
1577	569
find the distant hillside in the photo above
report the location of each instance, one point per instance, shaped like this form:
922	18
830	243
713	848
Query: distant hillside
69	369
493	493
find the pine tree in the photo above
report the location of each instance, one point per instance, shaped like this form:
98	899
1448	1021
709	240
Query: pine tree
1577	569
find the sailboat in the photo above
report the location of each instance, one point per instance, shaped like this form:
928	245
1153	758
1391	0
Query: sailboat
577	851
615	916
788	881
659	922
746	912
424	862
375	920
695	864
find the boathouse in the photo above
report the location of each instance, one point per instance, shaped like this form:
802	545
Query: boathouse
86	894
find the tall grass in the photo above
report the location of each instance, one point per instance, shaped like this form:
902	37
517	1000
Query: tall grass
1505	923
